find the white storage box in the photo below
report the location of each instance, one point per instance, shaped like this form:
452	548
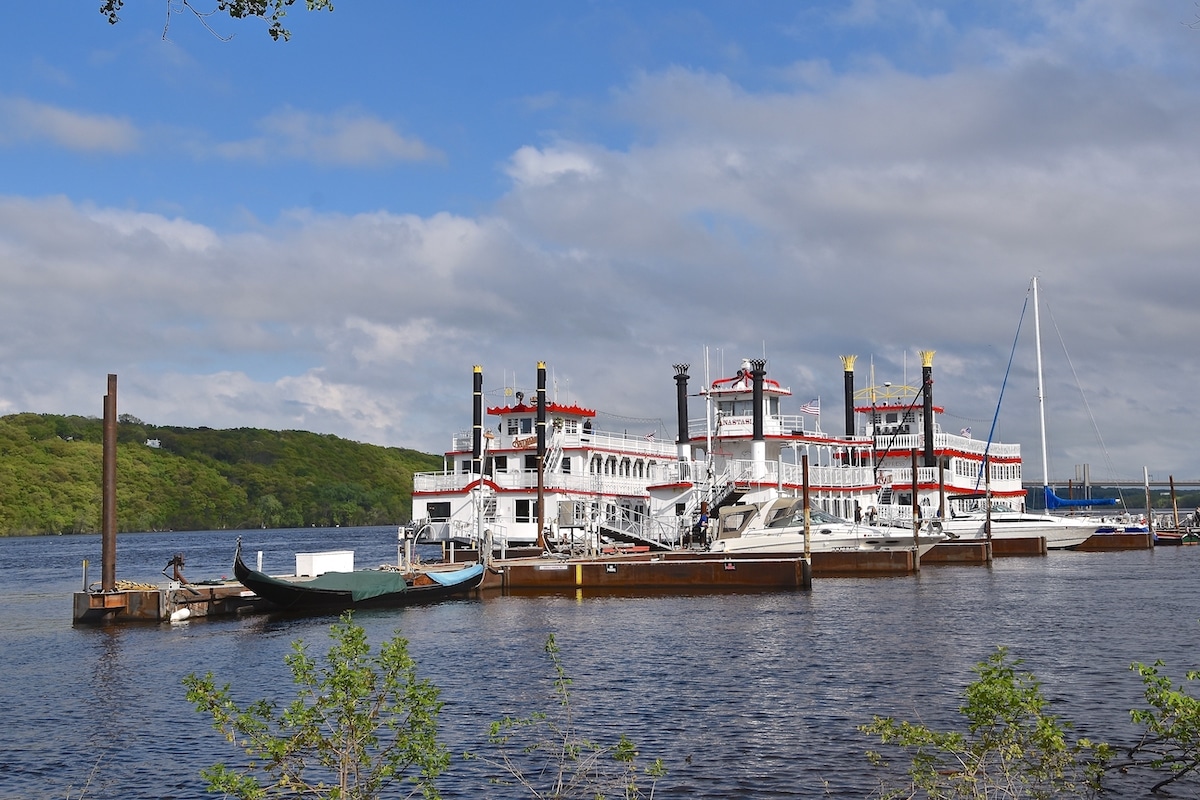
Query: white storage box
310	565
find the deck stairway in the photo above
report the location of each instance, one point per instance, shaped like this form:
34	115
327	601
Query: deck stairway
635	533
554	453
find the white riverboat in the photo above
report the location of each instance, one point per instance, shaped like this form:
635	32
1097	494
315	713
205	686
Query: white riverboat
500	483
541	473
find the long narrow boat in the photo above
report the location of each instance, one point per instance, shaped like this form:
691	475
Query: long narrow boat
358	589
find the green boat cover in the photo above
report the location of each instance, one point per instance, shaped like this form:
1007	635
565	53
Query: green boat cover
368	583
362	584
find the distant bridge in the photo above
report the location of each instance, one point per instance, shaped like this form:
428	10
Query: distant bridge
1155	484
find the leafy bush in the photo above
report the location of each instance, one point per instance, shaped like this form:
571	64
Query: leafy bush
1012	747
359	725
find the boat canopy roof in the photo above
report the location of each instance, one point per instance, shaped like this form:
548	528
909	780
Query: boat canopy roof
1054	501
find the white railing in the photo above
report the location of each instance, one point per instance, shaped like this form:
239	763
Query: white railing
632	443
773	425
527	480
905	443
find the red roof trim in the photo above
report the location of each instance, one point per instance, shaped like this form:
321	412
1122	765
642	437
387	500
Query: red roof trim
551	408
902	407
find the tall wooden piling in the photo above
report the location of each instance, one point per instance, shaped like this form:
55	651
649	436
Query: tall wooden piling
108	480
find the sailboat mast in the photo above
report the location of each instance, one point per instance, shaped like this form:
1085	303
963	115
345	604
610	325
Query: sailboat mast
1037	337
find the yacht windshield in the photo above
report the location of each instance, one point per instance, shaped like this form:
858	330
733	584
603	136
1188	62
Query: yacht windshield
793	515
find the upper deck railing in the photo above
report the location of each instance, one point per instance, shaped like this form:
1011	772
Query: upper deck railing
631	443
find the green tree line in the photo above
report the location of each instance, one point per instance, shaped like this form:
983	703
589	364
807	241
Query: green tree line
196	478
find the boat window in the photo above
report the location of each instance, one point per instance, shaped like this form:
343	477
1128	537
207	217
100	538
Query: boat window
438	511
788	515
526	510
526	424
736	408
733	522
820	515
513	426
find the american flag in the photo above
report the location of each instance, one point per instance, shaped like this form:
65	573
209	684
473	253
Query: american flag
811	407
966	432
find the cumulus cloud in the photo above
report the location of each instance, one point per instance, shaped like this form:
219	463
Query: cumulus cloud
865	208
532	166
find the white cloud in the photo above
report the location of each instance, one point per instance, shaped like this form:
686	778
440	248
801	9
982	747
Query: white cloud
873	209
344	138
23	120
532	166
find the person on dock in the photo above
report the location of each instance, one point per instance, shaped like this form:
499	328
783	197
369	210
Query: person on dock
700	529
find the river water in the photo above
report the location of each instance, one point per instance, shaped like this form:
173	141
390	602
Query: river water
746	695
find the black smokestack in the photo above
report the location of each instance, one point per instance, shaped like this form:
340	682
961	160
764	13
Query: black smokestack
848	392
927	390
758	371
681	403
477	421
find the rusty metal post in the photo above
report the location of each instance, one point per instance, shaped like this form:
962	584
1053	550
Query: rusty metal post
916	513
942	491
541	453
108	479
807	518
987	497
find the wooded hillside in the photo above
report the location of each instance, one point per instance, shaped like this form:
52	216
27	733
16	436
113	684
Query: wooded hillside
196	478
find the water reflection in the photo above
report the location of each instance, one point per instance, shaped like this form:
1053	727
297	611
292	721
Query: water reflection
742	694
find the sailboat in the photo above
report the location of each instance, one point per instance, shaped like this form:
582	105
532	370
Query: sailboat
1061	532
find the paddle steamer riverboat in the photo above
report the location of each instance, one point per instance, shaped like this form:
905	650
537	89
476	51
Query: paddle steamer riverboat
540	465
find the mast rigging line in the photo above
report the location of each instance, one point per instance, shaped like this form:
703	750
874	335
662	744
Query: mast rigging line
1003	384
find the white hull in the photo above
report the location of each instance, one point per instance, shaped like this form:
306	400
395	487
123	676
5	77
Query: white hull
777	526
1061	533
872	540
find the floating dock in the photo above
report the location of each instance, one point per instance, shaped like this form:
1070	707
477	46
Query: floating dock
169	603
631	572
959	552
680	571
1105	542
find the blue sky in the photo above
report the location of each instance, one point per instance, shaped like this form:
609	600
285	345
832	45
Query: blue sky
328	233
